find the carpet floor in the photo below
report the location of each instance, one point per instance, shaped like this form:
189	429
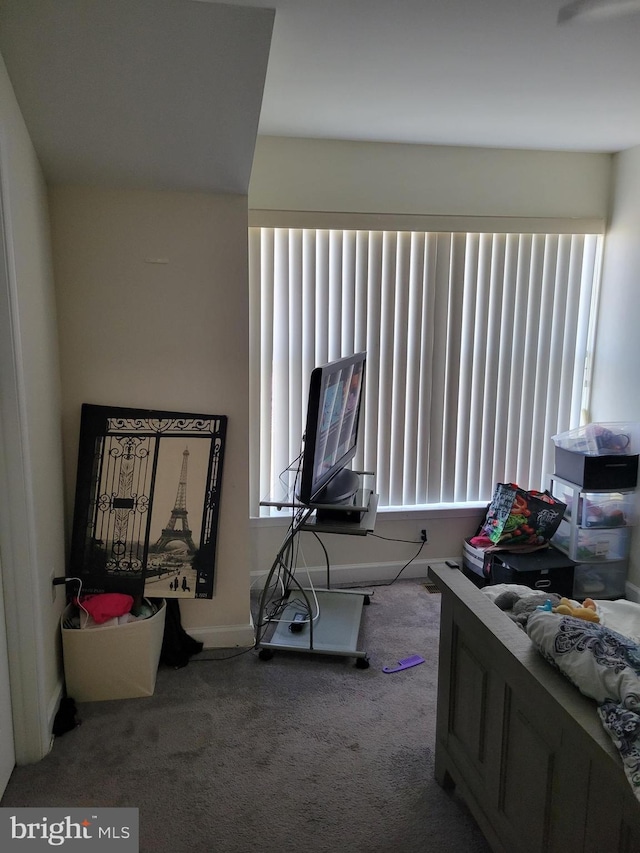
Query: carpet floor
301	752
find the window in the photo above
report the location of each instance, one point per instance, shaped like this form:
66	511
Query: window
477	345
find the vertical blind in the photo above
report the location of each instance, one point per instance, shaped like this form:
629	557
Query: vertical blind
476	349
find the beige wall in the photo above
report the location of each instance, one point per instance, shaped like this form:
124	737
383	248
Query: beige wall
164	335
31	512
328	175
616	387
363	560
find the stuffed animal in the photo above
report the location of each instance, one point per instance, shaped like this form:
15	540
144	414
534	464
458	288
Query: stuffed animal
587	611
519	606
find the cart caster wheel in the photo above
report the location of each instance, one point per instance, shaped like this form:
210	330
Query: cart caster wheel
265	654
367	599
362	663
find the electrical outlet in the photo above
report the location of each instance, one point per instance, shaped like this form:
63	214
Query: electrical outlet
423	536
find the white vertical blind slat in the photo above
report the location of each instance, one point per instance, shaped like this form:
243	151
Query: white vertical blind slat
437	367
360	325
426	360
503	424
347	343
334	312
361	278
266	357
478	273
568	391
517	359
309	313
492	247
532	324
399	361
452	367
255	369
322	344
281	353
372	370
555	350
414	338
467	347
384	449
588	286
542	366
296	391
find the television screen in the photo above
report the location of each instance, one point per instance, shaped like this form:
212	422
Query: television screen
331	434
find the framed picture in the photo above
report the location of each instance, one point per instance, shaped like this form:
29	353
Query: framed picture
147	502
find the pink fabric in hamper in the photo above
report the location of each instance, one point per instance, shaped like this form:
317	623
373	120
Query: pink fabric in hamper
105	605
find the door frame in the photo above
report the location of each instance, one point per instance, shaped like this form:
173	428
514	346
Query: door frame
24	638
7	741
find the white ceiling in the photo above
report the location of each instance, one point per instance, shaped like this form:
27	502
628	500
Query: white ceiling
452	72
163	94
168	93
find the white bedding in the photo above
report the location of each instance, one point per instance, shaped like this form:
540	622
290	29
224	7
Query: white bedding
604	665
621	615
601	659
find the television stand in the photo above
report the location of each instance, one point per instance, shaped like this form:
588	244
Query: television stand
330	617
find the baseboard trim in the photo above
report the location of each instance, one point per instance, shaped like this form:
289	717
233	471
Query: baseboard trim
224	636
243	636
360	573
52	710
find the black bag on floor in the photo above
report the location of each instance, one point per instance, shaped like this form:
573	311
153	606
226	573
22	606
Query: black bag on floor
177	645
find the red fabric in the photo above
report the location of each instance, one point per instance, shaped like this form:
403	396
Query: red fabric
481	541
106	605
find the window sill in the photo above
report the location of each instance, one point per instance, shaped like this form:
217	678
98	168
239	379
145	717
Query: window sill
437	511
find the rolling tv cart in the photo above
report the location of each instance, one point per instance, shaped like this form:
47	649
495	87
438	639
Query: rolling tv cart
322	621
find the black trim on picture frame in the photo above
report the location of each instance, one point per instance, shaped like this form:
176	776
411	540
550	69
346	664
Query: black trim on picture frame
132	527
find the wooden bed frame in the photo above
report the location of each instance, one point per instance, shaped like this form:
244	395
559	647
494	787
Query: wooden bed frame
520	744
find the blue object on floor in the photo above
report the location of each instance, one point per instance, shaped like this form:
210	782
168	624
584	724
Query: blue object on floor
405	663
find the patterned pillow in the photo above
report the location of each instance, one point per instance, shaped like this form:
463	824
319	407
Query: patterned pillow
623	726
601	663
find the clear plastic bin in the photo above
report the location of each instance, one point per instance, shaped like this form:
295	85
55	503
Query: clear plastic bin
587	545
601	439
596	509
612	509
605	580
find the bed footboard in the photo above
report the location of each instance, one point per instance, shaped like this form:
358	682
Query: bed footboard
521	745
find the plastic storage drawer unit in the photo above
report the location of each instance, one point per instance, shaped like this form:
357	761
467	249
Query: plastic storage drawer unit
608	509
587	545
598	508
600	580
597	472
599	455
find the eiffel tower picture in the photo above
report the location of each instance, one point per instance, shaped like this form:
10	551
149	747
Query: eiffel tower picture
177	529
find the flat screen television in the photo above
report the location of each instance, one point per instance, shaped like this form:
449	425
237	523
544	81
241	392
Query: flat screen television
331	433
